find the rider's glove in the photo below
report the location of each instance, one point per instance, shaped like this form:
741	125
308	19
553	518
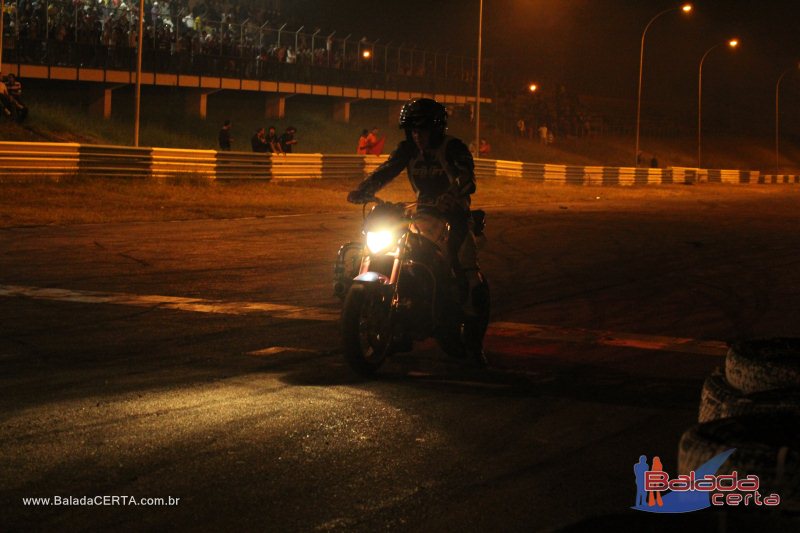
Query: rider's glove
357	197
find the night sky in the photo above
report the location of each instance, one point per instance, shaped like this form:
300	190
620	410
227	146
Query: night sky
592	46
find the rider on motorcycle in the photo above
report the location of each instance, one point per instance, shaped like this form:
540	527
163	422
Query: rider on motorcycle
442	173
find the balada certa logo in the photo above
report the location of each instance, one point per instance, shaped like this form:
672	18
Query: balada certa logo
699	489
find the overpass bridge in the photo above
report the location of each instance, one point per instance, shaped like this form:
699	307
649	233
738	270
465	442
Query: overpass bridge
199	87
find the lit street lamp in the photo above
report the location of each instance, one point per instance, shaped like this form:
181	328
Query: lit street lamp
778	119
533	88
686	8
732	43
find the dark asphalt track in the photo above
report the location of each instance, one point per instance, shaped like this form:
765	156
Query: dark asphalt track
148	401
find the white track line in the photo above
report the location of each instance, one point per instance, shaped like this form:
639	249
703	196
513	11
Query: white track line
496	329
197	305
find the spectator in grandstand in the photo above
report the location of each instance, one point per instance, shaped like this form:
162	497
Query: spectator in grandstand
287	140
362	143
259	141
274	141
225	138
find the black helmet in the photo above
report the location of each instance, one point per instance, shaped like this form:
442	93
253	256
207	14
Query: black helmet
424	113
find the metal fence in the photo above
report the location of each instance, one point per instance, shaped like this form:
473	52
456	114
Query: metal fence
23	161
70	34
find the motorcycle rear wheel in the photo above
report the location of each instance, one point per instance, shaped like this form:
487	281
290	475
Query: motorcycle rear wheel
366	330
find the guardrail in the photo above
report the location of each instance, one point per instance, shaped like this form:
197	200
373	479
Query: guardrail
20	160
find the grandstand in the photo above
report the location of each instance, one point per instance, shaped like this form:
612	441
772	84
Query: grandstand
210	45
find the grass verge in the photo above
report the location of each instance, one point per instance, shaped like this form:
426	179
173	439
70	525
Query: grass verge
81	201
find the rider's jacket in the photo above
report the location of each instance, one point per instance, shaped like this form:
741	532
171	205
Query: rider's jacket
447	167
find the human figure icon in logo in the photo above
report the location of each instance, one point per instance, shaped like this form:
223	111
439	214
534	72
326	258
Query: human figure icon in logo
655	496
639	470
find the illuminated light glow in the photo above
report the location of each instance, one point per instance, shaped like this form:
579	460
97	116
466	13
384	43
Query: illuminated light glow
378	241
366	54
733	43
532	87
687	8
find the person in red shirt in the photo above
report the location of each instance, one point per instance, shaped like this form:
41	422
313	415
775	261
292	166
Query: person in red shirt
485	148
374	144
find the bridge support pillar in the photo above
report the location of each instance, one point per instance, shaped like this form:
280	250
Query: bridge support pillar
100	100
275	106
197	102
341	110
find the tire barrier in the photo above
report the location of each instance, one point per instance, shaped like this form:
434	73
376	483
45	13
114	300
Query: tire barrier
719	399
752	405
19	160
766	445
762	365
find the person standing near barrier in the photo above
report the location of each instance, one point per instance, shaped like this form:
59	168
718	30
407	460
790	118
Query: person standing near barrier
374	144
287	140
225	138
259	141
14	88
273	142
5	99
362	143
543	134
484	149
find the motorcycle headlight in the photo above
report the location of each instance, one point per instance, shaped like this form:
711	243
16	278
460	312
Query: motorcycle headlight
379	241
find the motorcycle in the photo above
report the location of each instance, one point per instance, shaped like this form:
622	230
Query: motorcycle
398	286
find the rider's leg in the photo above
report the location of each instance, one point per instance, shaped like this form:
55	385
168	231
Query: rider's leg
476	304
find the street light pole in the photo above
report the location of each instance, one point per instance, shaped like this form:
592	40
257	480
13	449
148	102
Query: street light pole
139	75
478	92
777	118
733	43
2	25
686	8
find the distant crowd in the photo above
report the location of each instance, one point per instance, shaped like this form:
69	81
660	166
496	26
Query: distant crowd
262	141
192	36
546	119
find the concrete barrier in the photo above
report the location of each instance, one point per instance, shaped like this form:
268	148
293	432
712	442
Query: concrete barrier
55	160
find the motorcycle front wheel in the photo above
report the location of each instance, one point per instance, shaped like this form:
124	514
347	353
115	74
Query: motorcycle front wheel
366	329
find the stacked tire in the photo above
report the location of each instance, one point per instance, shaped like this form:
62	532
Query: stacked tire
753	405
